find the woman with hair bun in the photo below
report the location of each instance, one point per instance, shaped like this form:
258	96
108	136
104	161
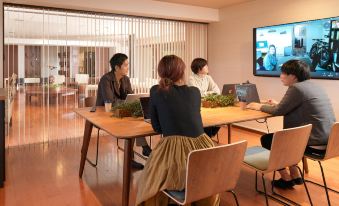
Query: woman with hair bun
175	113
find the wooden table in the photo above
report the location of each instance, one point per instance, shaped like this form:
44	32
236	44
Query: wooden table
3	97
130	128
52	93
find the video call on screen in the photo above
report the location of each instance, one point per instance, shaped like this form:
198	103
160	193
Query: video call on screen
316	42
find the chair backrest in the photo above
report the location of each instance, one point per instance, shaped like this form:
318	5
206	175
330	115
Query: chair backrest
82	78
332	149
90	101
288	147
213	170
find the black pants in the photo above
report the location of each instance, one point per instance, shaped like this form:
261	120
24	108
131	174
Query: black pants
266	142
211	131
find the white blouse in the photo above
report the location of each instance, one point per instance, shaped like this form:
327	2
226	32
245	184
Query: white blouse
205	84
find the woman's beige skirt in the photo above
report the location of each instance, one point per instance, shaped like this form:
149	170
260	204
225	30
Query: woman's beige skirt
166	169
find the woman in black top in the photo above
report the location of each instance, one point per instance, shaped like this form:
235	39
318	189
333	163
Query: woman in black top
175	113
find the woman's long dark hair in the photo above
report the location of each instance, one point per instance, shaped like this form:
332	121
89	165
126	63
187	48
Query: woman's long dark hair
171	68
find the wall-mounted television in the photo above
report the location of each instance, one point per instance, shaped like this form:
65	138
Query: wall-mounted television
315	42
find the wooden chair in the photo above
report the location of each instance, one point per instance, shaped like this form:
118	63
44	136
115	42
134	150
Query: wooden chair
211	171
287	149
90	102
332	151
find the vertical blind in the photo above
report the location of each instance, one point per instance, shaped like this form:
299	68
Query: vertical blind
74	47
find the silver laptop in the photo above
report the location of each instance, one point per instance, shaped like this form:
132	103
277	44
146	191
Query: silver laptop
229	89
134	97
247	93
144	101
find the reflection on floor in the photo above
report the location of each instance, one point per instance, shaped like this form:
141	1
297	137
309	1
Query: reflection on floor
47	174
37	120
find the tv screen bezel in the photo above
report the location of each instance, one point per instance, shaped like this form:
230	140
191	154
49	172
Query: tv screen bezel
254	49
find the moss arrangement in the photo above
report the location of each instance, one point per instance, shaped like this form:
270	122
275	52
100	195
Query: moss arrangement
127	109
216	100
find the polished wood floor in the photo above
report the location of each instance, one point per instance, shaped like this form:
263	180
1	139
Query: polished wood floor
47	174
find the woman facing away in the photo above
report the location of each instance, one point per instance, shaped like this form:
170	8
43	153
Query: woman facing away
303	103
270	60
175	113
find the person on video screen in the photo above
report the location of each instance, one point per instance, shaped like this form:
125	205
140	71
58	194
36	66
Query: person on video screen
270	60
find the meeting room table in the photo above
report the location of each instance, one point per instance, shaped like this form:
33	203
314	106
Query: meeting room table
129	128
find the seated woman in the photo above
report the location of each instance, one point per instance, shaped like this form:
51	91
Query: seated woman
304	103
270	60
175	113
205	84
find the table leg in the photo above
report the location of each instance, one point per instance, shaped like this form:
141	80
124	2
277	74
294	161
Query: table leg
2	143
85	143
229	133
127	172
305	164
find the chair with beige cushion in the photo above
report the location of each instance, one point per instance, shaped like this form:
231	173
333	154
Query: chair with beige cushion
287	149
332	151
211	171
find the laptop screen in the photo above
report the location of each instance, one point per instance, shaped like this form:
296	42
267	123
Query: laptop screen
144	101
247	93
228	89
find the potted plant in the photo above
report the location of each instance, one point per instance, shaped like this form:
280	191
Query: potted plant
216	100
131	109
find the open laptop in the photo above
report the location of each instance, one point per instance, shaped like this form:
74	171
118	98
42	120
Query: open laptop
144	101
228	89
247	93
134	97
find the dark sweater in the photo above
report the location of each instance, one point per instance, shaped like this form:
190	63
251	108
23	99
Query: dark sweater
176	111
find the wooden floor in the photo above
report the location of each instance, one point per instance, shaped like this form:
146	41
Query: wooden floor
47	174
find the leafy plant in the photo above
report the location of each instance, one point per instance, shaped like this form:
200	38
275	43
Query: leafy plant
134	108
217	100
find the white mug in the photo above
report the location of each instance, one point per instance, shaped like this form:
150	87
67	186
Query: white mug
108	106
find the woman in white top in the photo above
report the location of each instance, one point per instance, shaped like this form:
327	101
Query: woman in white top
205	84
201	79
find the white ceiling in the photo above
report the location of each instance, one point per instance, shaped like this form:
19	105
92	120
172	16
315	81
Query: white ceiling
216	4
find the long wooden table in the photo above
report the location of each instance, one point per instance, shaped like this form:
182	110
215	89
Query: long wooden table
130	128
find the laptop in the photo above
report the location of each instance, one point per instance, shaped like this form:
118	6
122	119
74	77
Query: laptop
144	101
228	89
247	93
134	97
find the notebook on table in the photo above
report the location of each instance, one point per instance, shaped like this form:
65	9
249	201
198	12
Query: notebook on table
144	101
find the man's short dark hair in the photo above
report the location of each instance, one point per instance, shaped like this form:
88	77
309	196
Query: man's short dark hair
300	69
117	60
198	64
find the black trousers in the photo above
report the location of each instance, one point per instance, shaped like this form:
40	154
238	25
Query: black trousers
266	142
211	131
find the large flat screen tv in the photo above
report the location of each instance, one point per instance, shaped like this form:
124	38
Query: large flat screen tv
315	42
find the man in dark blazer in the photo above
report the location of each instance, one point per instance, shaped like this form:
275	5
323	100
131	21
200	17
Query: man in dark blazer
114	87
303	103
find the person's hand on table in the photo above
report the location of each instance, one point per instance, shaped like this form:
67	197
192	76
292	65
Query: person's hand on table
271	102
254	106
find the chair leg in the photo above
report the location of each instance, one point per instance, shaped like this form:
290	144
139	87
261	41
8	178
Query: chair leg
97	152
324	180
302	176
289	200
264	185
265	193
235	197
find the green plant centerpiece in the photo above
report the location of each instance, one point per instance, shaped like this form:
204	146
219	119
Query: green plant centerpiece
130	109
217	100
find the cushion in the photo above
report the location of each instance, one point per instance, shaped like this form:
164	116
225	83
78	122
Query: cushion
257	157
